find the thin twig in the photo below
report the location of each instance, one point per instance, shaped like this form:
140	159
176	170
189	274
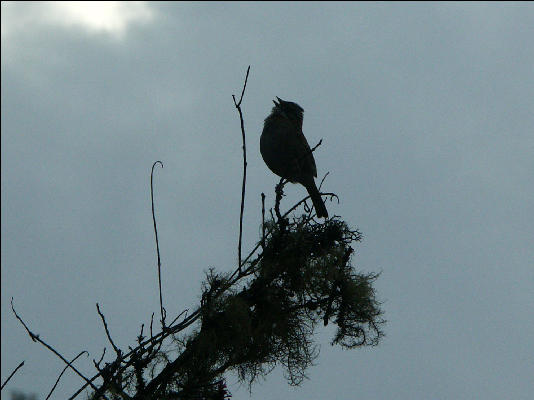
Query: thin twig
332	195
97	364
36	338
244	87
317	145
13	373
141	337
179	315
263	220
238	106
117	350
322	180
62	372
158	338
157	244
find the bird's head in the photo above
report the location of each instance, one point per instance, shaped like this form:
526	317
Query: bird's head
288	109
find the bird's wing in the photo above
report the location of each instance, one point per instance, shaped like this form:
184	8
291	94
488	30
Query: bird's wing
307	162
286	151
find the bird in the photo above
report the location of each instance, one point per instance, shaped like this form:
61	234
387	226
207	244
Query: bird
286	151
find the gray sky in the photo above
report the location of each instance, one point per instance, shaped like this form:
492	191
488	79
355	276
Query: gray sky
427	117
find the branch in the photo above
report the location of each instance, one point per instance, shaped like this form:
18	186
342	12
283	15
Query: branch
157	245
62	372
97	364
243	91
332	195
238	106
13	373
36	338
151	341
263	220
317	145
117	350
233	279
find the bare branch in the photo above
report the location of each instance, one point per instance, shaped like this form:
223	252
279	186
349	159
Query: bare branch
243	91
322	180
162	310
36	338
13	373
97	364
317	145
238	106
62	372
176	319
117	350
263	220
151	341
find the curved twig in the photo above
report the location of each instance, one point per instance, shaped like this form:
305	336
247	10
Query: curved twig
322	180
157	243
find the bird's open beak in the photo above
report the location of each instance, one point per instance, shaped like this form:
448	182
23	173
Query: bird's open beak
275	103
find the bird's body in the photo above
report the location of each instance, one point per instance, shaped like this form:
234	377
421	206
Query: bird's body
286	151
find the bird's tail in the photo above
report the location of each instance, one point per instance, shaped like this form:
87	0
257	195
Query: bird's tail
318	203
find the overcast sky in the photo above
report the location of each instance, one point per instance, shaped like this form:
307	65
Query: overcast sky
426	112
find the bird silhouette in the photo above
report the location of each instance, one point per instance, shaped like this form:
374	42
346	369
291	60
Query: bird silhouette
286	151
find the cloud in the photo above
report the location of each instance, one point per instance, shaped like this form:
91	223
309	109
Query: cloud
95	17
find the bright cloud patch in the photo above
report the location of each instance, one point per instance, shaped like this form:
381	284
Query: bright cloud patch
112	17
